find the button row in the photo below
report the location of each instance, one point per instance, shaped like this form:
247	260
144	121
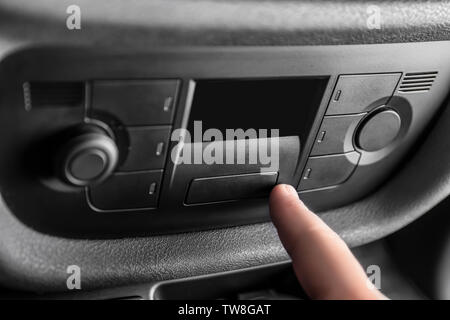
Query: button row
333	157
146	109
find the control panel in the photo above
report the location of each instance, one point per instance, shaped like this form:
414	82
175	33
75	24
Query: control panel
141	115
135	143
358	119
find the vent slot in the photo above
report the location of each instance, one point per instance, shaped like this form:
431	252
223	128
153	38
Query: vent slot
417	82
53	94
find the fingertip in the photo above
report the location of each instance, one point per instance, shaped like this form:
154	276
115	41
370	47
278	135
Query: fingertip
284	198
283	192
288	213
285	189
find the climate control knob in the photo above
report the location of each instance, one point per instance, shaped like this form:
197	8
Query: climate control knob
87	157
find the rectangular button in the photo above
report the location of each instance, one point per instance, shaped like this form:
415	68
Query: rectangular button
328	171
136	103
147	148
356	93
126	191
335	135
233	187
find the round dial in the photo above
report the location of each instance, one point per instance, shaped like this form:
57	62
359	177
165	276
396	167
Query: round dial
379	130
87	158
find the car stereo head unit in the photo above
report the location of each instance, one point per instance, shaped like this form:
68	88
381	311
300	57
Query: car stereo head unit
171	140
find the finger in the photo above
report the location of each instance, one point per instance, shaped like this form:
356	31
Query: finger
323	263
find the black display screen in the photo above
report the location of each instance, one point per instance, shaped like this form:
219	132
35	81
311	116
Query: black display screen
287	104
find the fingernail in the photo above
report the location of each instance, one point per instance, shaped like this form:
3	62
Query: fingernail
289	189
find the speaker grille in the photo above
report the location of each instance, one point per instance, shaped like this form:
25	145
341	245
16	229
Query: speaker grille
417	82
53	94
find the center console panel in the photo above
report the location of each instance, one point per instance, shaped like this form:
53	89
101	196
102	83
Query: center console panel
101	143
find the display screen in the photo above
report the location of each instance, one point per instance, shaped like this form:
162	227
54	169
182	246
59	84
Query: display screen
287	104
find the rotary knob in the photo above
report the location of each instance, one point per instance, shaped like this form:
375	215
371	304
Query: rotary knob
379	130
87	157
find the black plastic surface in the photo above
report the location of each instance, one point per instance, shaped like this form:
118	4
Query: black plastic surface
88	166
398	203
239	22
355	93
331	170
332	136
202	64
147	149
53	94
277	280
33	260
273	281
422	252
135	103
287	104
215	189
127	191
136	260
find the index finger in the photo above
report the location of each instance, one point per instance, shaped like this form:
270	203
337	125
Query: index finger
323	263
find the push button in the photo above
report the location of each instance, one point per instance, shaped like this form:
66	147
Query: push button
147	149
354	93
136	103
126	191
335	135
232	187
324	171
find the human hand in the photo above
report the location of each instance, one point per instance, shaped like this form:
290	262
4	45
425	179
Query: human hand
323	264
